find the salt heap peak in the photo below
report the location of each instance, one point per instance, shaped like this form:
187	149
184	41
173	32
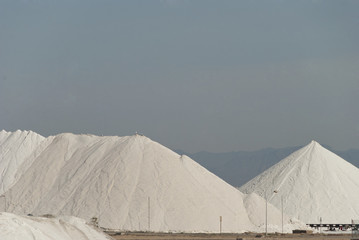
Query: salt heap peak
314	184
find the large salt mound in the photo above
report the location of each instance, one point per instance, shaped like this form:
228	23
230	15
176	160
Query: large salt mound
129	183
13	227
112	178
17	151
314	183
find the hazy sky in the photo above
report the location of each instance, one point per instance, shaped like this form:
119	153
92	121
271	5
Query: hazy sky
193	75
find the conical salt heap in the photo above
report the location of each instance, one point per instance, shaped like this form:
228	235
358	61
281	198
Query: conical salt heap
313	183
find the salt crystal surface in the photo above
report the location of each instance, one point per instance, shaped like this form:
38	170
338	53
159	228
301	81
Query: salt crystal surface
14	227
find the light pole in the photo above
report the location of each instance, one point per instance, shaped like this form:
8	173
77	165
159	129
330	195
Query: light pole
149	213
265	194
281	200
266	212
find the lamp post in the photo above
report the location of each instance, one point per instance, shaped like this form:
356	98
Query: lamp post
266	212
149	212
281	200
265	195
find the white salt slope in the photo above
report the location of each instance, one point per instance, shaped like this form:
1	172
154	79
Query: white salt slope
256	208
111	178
314	183
17	150
14	227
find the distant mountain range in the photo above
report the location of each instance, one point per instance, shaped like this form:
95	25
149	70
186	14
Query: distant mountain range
237	168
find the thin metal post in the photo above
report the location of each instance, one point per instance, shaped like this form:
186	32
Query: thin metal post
220	224
320	224
149	214
281	198
266	213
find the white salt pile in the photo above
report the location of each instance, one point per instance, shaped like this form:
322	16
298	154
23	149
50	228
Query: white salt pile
13	227
256	209
17	150
128	183
314	184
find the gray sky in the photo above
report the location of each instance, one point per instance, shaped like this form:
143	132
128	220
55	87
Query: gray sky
193	75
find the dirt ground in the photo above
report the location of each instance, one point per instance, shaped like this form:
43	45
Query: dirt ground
202	236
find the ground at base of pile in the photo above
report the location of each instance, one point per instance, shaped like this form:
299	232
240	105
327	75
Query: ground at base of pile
225	236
